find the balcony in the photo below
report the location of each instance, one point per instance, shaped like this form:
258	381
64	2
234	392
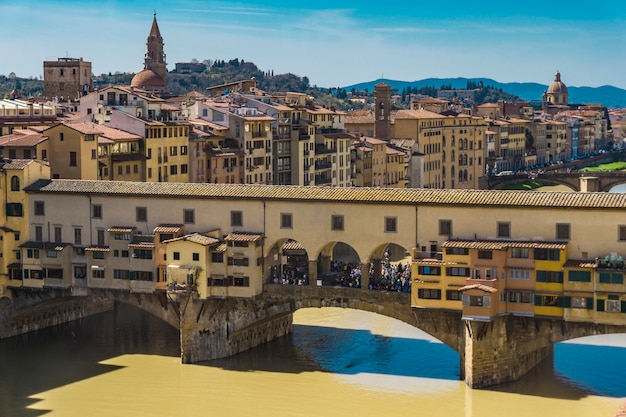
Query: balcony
322	165
423	255
521	263
323	180
321	150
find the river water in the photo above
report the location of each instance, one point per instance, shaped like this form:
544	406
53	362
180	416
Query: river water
336	363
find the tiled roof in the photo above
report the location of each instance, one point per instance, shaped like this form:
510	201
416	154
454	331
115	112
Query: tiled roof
195	238
418	114
293	245
481	287
15	163
409	196
121	229
503	244
168	228
580	263
244	237
145	245
116	134
44	245
22	138
98	249
84	128
221	248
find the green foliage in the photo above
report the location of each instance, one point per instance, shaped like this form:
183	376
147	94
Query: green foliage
613	166
28	87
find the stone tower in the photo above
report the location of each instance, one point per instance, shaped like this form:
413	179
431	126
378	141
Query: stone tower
154	72
382	109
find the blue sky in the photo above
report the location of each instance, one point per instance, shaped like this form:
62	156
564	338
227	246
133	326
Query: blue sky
334	43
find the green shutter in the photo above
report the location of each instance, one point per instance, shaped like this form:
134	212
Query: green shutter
541	276
600	305
623	306
605	278
564	301
538	300
589	303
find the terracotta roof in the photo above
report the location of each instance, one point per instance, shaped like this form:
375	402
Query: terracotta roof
22	138
503	244
16	163
168	228
221	248
293	245
481	287
116	134
409	196
121	229
580	263
84	128
44	245
418	114
244	237
195	238
98	249
145	245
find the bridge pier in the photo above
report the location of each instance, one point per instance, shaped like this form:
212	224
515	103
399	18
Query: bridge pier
504	349
213	329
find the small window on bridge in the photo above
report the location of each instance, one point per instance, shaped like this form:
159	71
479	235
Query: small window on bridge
445	227
286	220
563	231
391	224
336	222
504	229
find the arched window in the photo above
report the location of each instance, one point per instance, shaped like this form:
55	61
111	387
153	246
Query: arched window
15	183
443	172
460	175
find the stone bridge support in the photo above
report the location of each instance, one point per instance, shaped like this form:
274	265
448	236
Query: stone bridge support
506	348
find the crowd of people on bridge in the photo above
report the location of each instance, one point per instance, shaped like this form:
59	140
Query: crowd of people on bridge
392	277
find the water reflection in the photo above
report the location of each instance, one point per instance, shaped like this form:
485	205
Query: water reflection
336	362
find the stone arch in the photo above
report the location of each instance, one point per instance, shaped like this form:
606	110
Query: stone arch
287	259
386	256
334	260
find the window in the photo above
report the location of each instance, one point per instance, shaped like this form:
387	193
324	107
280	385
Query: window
453	295
142	254
183	150
611	278
547	254
336	222
173	150
428	270
445	227
504	229
73	159
116	253
173	169
621	232
80	271
238	261
100	237
612	306
457	251
550	276
184	168
188	216
141	214
121	274
519	274
520	253
286	221
39	208
32	253
236	218
579	276
582	302
391	224
241	281
217	257
121	236
195	256
58	234
476	300
15	183
97	273
458	272
176	256
125	254
38	233
96	211
14	209
429	294
562	231
98	255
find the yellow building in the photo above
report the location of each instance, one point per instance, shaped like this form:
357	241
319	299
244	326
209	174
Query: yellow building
453	147
120	155
14	176
204	265
73	150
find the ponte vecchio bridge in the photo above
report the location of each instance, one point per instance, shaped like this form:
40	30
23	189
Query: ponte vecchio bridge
230	240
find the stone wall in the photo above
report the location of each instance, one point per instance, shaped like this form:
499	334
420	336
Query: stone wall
29	311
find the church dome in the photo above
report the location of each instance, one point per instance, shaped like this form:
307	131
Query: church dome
557	87
148	80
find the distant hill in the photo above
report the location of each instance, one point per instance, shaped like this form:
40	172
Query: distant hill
608	95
